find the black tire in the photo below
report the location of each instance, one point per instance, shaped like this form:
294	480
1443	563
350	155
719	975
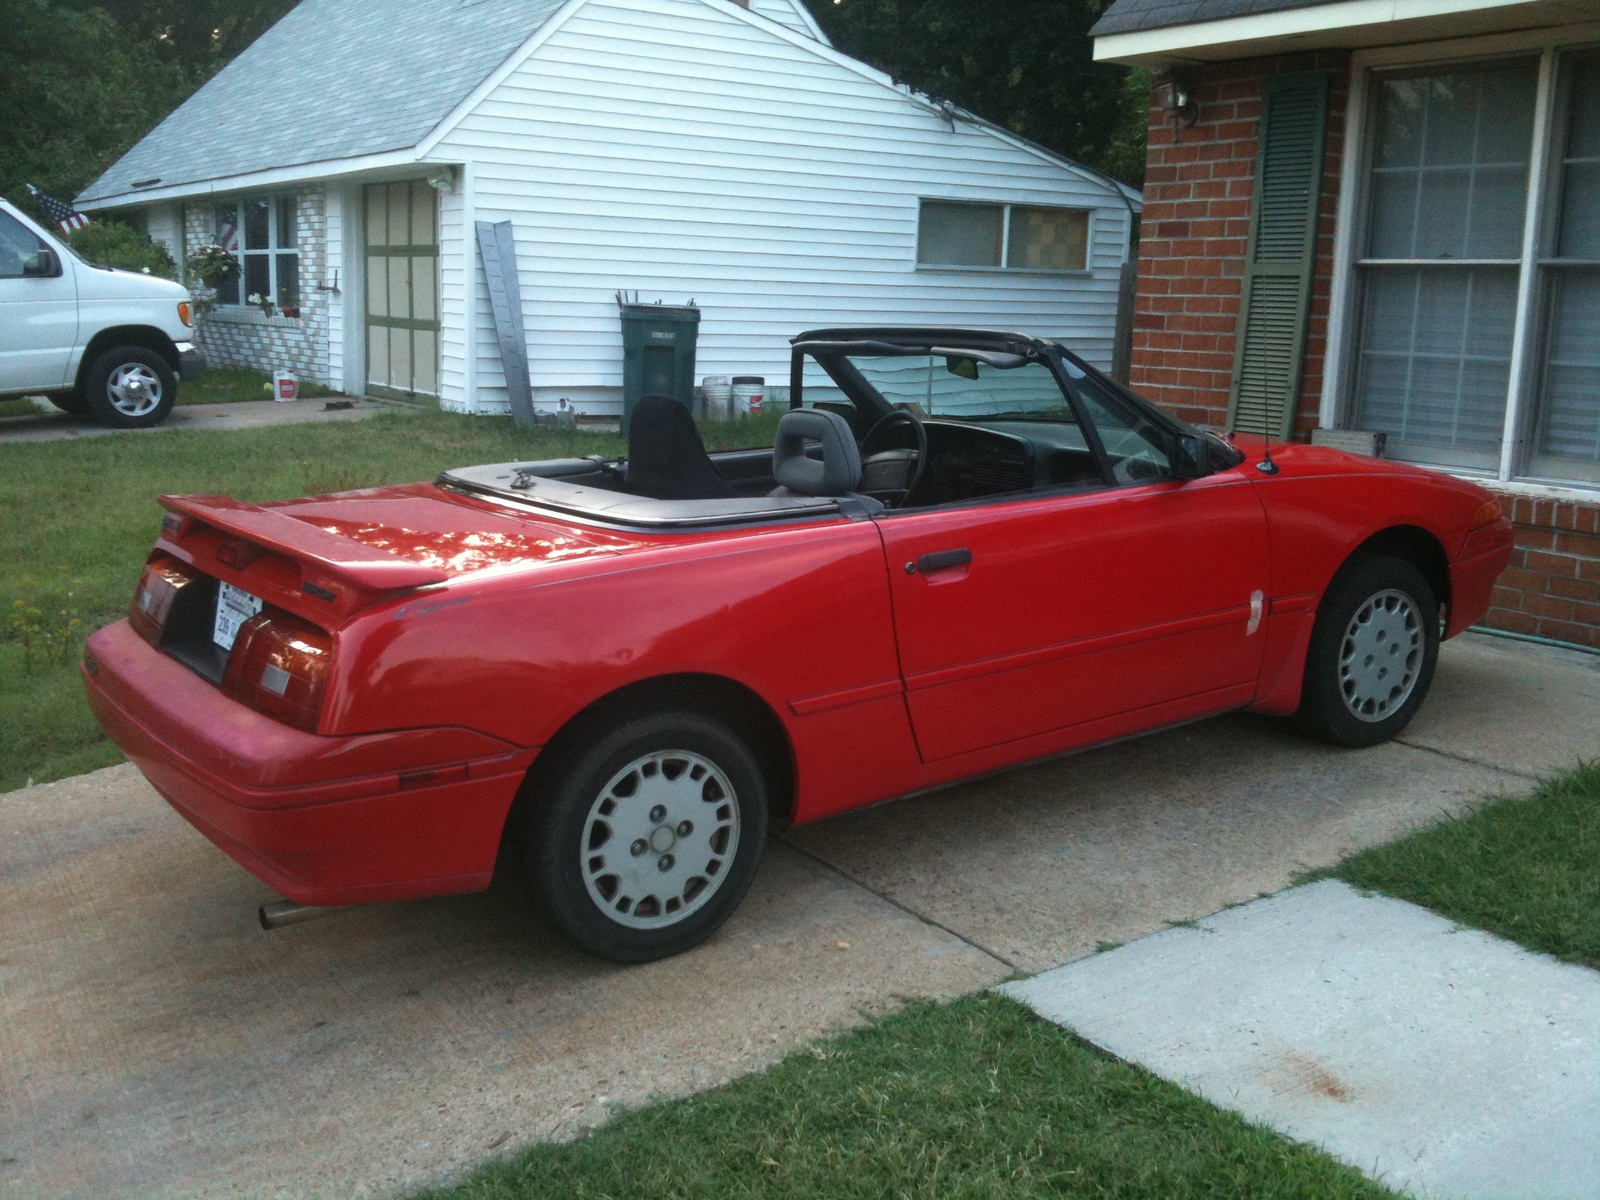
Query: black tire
70	402
597	894
110	392
1372	652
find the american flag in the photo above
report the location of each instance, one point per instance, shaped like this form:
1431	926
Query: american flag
64	215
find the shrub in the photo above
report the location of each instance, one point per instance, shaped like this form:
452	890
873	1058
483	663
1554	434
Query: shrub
114	245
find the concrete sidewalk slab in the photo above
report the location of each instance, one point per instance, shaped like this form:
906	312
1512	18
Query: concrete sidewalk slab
154	1042
1432	1057
54	426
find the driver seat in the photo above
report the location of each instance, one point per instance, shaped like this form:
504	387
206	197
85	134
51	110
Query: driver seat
797	473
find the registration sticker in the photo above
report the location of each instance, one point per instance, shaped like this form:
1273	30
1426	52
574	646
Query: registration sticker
235	606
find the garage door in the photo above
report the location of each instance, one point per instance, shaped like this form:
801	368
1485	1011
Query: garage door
402	290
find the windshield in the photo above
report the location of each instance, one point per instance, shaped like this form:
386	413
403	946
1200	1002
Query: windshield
951	385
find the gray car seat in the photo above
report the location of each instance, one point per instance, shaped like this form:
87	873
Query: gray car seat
796	473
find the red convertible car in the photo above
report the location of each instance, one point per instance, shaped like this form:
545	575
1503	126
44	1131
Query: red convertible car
966	550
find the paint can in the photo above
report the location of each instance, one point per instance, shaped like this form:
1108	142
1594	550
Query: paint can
719	397
285	386
749	395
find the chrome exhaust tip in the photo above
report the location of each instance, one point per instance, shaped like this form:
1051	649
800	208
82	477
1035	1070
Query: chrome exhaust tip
286	912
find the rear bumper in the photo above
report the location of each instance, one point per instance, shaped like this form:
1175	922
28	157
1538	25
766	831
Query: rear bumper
323	820
192	362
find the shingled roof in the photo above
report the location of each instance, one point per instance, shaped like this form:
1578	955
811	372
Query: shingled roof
335	79
1131	16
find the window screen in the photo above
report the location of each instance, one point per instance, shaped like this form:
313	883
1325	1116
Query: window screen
1448	193
1568	438
1048	239
960	235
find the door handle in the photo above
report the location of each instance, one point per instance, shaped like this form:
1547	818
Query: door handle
943	560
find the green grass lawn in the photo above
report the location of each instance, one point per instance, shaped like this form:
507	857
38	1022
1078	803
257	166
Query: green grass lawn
19	406
1524	868
229	385
974	1099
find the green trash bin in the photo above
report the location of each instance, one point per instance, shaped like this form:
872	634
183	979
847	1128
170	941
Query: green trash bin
658	348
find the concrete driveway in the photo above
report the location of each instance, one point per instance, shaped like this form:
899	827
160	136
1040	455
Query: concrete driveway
50	424
154	1042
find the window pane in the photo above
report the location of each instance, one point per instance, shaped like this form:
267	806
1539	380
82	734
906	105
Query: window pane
255	224
959	235
1136	448
423	306
399	214
1436	360
288	281
288	234
1569	435
1049	238
227	226
17	245
257	277
1580	171
1450	165
377	216
424	224
378	287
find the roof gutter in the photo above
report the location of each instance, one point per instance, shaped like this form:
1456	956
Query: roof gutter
276	177
1345	24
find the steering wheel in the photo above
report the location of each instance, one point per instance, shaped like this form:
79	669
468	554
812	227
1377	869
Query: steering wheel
899	417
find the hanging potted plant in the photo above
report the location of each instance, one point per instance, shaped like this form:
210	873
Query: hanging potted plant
213	265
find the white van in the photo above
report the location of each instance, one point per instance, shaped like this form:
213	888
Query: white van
96	341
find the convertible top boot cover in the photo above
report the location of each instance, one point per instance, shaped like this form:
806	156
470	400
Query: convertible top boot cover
666	458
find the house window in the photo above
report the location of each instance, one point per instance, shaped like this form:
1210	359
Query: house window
1012	237
261	232
1475	347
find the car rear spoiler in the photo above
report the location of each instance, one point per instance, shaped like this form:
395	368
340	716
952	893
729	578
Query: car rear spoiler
335	557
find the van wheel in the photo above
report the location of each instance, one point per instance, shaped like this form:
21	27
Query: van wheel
1372	653
130	387
649	838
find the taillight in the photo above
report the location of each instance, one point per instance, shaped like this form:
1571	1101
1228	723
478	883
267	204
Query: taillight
1487	514
279	666
157	592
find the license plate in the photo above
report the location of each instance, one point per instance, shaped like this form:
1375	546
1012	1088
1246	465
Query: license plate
235	606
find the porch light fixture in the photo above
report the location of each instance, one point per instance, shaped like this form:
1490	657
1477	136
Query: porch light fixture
1175	97
443	180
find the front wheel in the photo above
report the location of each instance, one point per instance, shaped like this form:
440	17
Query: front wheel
130	387
649	837
1372	653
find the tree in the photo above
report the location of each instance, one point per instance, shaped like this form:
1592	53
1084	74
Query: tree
1027	65
75	93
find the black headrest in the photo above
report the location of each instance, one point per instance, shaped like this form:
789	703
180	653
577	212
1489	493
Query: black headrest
666	458
839	471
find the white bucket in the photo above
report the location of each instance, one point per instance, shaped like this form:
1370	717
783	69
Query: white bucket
749	395
719	397
285	386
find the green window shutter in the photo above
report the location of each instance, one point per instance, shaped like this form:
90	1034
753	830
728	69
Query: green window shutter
1276	300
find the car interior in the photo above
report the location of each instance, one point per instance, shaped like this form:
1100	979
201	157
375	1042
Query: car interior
848	441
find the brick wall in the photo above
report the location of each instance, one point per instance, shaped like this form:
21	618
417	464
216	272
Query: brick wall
1552	587
245	337
1199	184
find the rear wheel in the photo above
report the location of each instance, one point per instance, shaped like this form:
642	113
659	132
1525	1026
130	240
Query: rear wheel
1372	653
130	387
649	837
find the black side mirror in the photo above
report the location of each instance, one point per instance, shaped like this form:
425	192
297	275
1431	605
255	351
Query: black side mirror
1191	458
42	264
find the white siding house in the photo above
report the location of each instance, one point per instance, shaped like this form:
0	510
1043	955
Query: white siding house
680	149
